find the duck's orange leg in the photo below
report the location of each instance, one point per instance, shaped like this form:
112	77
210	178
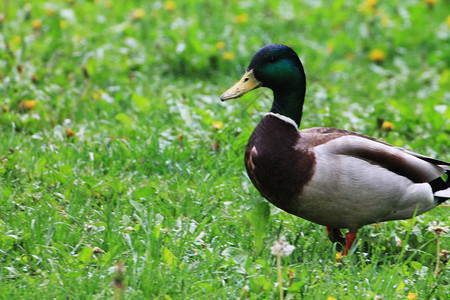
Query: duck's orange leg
349	239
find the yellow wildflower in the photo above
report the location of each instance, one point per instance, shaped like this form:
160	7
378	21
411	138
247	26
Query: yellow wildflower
385	21
36	24
431	2
371	3
220	45
339	256
138	14
331	298
96	95
16	39
387	126
411	296
35	78
241	18
448	21
50	12
229	55
217	124
27	104
78	38
69	133
170	5
377	55
63	24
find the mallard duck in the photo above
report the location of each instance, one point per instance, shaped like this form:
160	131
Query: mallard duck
332	177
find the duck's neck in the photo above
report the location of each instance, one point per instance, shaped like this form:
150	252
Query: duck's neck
289	101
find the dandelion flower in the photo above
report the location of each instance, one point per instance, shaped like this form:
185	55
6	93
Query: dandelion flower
138	14
377	55
27	104
387	126
241	18
339	256
50	12
63	24
36	24
228	55
281	248
170	5
220	45
217	124
385	21
411	296
17	39
371	3
70	133
96	95
331	298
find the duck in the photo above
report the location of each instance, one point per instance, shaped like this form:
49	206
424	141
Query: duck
336	178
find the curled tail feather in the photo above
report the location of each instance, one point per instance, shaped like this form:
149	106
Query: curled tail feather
441	187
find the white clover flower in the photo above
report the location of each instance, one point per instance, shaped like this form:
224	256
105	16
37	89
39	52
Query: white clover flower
281	248
437	228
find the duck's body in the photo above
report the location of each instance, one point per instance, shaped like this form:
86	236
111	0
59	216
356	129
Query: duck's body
337	178
332	177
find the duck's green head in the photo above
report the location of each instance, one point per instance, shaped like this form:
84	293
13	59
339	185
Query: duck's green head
278	68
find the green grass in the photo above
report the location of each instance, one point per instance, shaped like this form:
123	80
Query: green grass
152	180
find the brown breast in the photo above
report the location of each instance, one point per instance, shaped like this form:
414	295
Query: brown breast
277	168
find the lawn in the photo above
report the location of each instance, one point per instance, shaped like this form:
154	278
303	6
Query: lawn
122	174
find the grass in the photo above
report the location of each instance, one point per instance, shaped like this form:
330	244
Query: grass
116	149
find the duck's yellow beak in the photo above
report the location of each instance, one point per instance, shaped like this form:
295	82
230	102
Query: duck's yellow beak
247	83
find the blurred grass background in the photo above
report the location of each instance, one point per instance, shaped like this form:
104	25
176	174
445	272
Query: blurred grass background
116	150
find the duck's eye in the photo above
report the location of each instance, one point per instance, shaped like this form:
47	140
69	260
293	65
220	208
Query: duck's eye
272	59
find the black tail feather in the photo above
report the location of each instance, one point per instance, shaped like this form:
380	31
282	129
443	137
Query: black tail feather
441	183
440	200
